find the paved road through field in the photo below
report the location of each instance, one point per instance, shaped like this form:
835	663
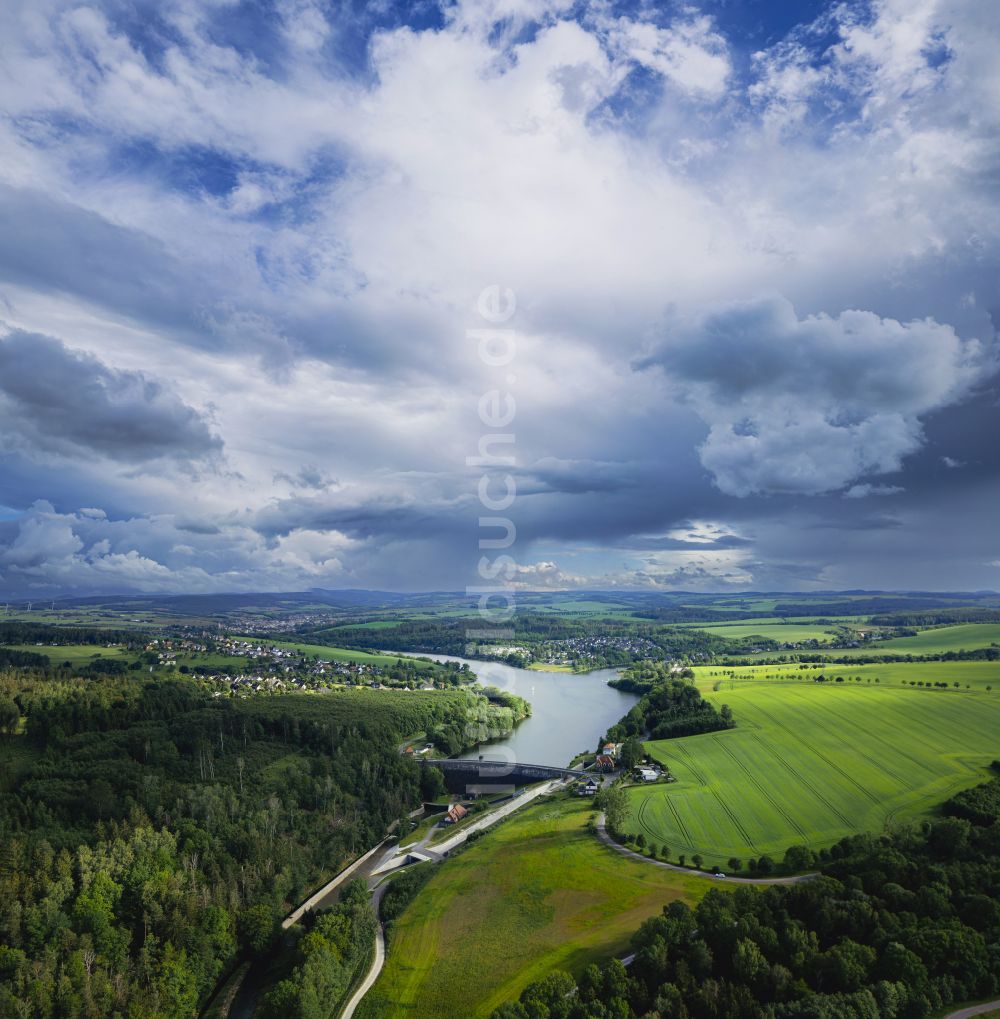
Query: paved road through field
794	879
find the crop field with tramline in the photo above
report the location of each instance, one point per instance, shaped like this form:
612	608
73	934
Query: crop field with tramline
968	675
809	763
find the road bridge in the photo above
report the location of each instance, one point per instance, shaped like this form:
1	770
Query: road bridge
513	771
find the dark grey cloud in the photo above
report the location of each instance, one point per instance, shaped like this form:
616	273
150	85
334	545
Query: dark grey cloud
387	517
55	246
653	543
579	477
868	522
61	401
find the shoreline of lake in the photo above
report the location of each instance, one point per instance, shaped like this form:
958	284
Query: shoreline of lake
570	711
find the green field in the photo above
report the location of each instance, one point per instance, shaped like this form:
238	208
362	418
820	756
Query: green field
809	763
79	617
976	675
75	654
375	624
341	654
931	641
538	893
939	639
790	633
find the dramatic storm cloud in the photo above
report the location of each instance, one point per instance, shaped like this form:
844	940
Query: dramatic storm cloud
56	400
754	261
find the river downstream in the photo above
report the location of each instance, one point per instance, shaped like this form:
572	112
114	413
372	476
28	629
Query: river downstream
569	712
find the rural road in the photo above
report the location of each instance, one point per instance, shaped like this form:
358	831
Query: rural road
377	962
439	852
967	1013
794	879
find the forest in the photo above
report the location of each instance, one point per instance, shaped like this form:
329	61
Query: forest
152	836
325	959
16	632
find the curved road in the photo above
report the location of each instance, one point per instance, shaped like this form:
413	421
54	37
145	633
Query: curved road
377	962
379	959
967	1013
794	879
437	853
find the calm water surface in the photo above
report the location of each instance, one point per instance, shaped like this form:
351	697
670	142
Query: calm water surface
570	712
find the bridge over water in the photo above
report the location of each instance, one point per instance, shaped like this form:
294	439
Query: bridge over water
512	771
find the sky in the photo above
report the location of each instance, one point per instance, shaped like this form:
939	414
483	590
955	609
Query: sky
745	254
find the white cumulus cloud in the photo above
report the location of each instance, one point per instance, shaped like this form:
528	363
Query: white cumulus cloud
808	405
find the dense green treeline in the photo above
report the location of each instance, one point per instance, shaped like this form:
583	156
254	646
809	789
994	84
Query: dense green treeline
876	604
332	947
643	676
898	927
694	614
670	706
16	632
29	659
150	834
938	617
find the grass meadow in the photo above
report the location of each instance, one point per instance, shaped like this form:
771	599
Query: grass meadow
809	763
538	893
340	654
772	630
975	675
75	654
941	639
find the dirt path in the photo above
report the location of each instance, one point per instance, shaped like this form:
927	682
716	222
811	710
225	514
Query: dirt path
794	879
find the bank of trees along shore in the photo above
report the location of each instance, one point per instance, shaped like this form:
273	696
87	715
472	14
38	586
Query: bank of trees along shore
150	835
670	705
899	926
